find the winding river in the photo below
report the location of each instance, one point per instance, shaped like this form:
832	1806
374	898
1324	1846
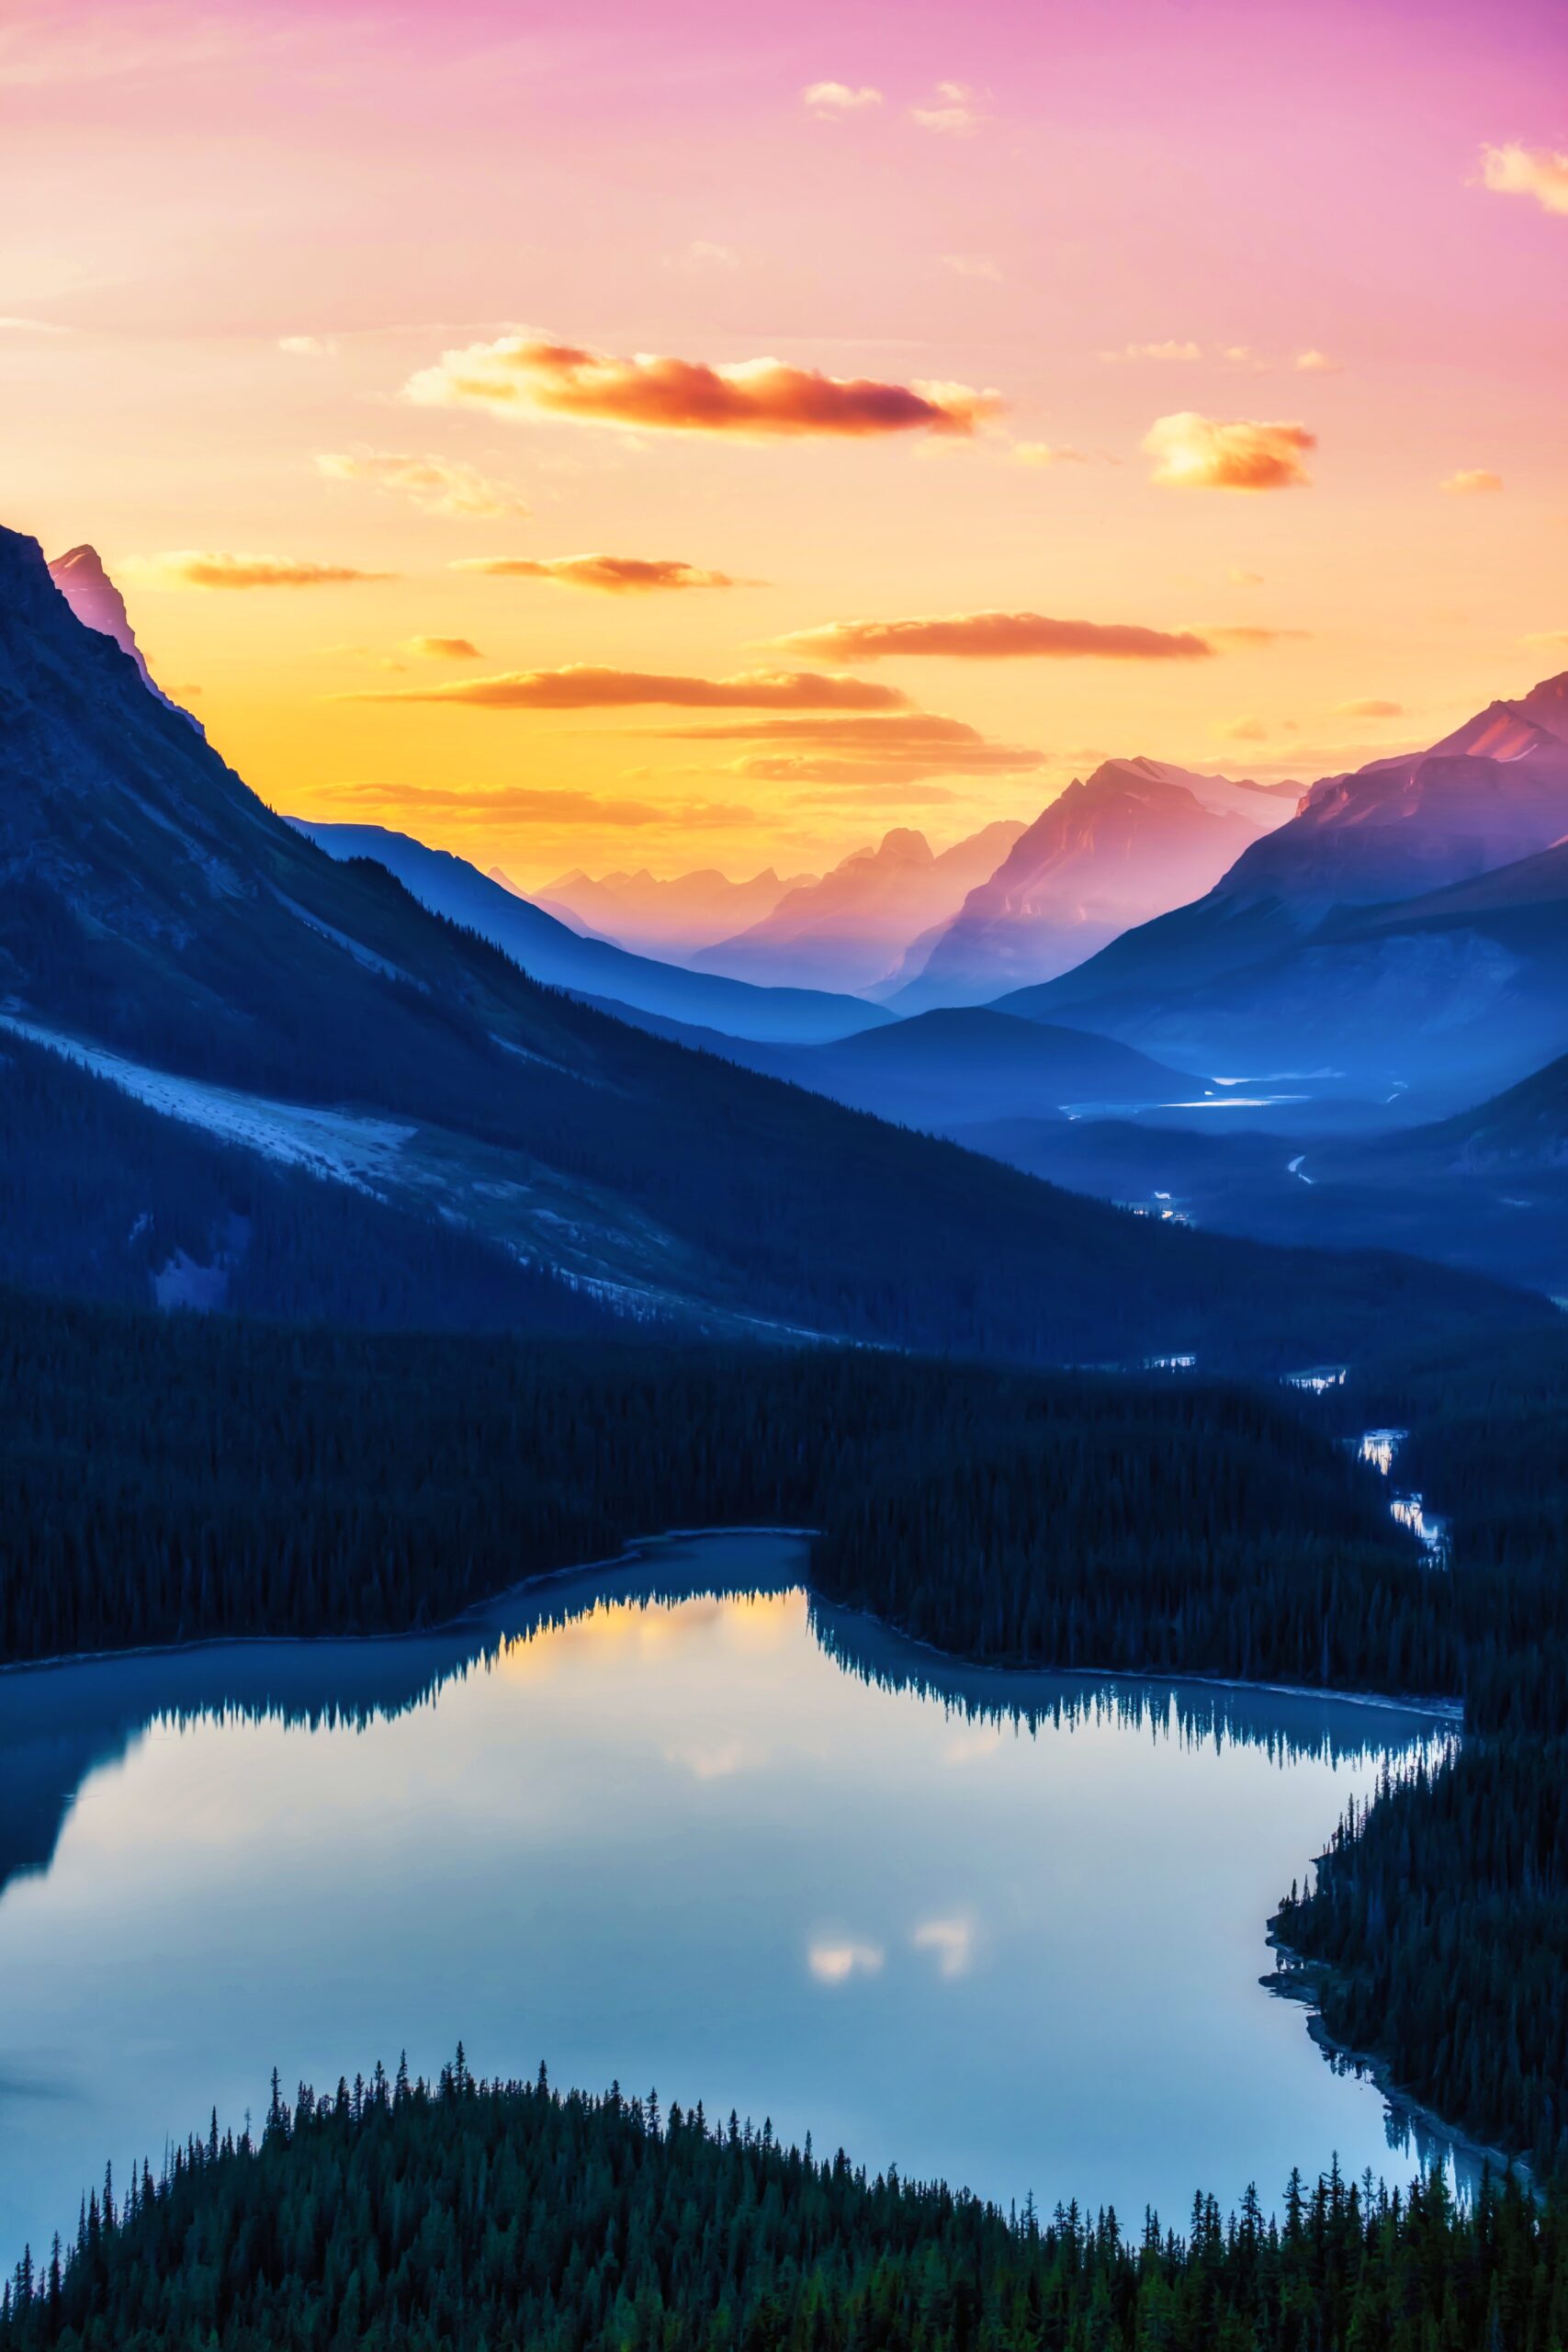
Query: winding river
676	1823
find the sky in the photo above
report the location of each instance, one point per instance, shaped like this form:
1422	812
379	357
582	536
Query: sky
949	399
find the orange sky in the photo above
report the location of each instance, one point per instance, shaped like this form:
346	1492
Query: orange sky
1187	322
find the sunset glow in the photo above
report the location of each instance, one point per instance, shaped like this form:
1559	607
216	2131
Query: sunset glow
469	401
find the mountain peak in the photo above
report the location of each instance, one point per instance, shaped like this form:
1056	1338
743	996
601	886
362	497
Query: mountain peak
906	845
82	579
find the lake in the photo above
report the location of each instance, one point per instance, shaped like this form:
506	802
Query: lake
677	1824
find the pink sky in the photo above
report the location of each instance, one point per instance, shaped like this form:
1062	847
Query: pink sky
1107	218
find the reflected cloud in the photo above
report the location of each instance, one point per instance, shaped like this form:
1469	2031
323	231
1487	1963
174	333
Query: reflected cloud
952	1941
715	1760
967	1746
834	1963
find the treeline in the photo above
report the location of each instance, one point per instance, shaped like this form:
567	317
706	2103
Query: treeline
1438	1928
175	1479
1438	1934
480	2215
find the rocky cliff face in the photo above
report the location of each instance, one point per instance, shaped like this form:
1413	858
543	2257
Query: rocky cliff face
81	578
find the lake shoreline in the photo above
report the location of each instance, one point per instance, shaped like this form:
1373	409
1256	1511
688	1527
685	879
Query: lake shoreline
480	1612
1302	1981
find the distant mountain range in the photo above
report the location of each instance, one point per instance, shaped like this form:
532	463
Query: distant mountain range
673	918
851	929
1134	839
1408	919
564	959
165	936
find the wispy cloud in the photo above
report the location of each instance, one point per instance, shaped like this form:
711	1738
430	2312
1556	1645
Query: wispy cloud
915	745
971	266
1246	633
1472	481
1318	362
832	101
1538	171
1193	452
991	637
199	567
582	686
702	254
612	575
1242	731
754	398
952	1941
308	346
31	326
438	485
1547	640
1170	349
1047	453
1369	707
442	649
538	805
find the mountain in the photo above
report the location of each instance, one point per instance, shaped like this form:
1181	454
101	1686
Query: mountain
97	603
942	1070
1389	922
673	918
851	929
1130	841
563	958
163	931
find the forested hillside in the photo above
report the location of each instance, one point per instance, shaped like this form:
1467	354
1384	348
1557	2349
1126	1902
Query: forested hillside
475	2216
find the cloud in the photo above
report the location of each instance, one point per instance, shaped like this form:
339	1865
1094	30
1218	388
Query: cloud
439	485
831	101
1243	633
613	575
1241	578
887	792
1170	350
1318	362
989	637
833	1962
307	346
582	686
442	649
1193	452
1242	731
1045	452
702	254
956	115
538	804
754	398
971	266
1547	640
1472	481
193	567
1369	707
31	326
953	1940
1540	171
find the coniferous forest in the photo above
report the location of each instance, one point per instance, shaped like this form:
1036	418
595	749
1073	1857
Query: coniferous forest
476	2215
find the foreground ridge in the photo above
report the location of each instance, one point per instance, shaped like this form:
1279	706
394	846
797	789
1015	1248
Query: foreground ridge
479	2213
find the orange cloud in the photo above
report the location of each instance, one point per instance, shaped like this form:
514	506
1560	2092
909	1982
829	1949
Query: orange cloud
191	568
756	397
1472	481
442	649
1538	171
613	575
1547	640
910	735
1242	731
581	686
989	637
1369	707
830	101
1193	452
439	485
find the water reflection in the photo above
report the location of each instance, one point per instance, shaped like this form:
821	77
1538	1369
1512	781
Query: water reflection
675	1822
